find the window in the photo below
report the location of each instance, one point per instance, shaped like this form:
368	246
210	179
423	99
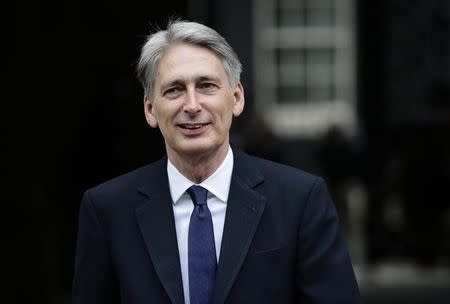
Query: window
304	66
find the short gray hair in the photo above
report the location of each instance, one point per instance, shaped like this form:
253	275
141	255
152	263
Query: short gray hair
184	32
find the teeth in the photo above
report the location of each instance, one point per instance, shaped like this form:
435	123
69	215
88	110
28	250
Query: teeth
192	126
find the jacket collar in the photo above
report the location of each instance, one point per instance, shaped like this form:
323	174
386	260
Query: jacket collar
244	210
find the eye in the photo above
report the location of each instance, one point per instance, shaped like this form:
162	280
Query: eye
172	92
207	86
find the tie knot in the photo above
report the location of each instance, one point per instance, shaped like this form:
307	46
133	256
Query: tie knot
198	195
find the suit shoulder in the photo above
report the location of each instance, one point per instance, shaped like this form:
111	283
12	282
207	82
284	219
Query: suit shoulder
280	181
128	181
271	169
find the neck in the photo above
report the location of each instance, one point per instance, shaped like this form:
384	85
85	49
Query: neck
198	167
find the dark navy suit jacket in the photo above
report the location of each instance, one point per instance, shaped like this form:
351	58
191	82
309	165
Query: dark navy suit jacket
281	240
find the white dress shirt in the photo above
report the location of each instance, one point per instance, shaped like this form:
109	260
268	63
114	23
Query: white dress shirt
218	186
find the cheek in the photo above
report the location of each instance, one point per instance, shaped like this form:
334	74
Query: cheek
227	118
164	114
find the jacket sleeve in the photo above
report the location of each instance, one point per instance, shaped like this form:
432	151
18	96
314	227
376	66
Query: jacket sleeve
94	280
324	273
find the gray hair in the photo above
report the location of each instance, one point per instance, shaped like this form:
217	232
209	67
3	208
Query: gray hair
184	32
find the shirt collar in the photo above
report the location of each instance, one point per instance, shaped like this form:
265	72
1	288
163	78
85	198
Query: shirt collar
217	183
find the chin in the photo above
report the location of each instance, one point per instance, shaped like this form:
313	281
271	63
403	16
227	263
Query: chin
199	148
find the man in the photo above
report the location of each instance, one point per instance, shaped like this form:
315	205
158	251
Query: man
207	223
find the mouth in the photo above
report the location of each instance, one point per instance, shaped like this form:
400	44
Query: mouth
192	126
192	129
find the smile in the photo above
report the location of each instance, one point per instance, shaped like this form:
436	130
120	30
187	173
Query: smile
193	129
192	126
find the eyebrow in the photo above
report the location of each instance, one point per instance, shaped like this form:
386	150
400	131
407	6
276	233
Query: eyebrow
209	78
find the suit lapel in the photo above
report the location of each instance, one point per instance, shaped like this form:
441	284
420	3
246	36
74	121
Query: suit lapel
157	224
244	210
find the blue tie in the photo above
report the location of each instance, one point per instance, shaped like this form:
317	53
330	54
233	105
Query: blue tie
202	261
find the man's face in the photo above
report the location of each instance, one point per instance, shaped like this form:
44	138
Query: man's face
193	103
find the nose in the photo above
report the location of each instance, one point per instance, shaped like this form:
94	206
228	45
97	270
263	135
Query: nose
191	103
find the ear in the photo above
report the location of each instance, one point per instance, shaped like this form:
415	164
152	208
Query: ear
149	112
239	100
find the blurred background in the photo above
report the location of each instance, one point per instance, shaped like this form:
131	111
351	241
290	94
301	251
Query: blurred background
354	91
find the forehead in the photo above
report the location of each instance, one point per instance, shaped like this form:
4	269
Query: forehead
183	60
